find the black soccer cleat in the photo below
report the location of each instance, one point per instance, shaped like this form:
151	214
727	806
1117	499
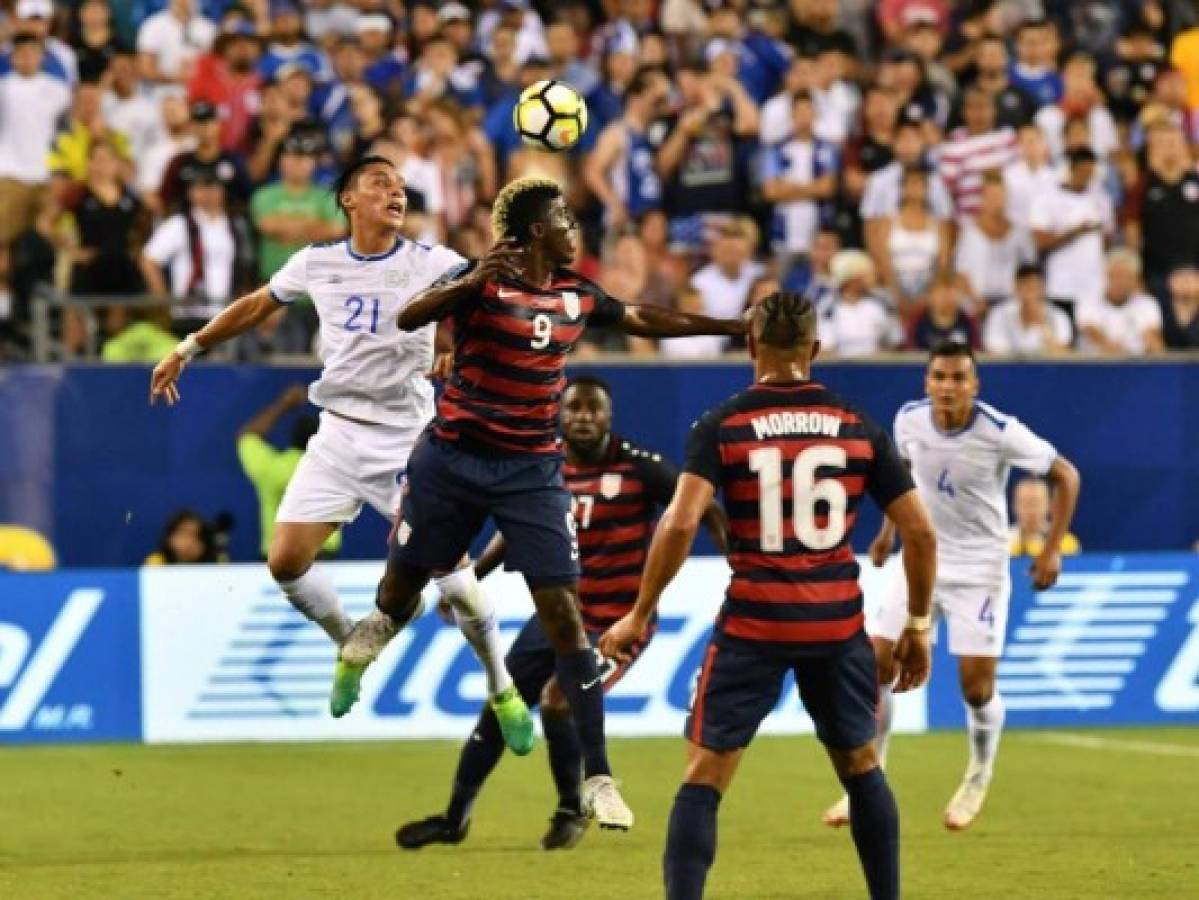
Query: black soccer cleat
567	827
433	830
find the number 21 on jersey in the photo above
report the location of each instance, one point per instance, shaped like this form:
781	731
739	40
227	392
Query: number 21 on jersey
806	492
357	305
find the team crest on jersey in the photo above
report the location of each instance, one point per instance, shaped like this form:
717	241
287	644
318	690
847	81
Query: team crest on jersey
393	278
570	302
610	485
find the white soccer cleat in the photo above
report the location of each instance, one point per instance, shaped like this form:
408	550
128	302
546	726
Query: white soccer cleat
602	802
837	815
369	637
966	804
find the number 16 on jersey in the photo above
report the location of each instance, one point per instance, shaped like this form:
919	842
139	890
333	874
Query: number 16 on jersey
806	492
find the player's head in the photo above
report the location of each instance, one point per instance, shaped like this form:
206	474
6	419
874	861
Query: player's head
302	430
586	413
951	380
370	191
532	212
1030	503
782	330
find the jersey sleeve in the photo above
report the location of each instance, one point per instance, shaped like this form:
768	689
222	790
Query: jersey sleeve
290	283
1024	450
443	261
703	449
658	475
608	310
889	477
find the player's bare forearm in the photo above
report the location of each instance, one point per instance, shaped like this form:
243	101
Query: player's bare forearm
1066	485
491	558
672	541
717	523
434	304
656	322
919	549
238	317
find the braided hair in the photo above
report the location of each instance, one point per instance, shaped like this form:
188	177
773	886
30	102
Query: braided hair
784	320
520	204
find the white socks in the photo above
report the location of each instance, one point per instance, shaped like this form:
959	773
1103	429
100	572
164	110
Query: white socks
984	724
476	619
886	707
313	595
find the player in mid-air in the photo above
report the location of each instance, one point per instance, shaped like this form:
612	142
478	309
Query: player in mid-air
493	450
961	452
617	489
376	400
793	461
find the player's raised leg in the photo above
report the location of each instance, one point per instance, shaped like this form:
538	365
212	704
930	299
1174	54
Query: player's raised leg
294	547
985	714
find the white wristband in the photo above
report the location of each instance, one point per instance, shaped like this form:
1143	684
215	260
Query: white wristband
919	623
188	348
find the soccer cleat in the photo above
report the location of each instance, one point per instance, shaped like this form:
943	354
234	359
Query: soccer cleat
966	804
837	815
567	828
602	802
347	682
516	723
433	830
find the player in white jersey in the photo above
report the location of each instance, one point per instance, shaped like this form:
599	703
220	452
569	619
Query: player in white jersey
376	400
961	452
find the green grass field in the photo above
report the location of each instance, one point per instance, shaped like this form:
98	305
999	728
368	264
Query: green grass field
1118	818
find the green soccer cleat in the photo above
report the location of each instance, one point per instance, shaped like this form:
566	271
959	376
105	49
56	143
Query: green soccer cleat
347	681
515	721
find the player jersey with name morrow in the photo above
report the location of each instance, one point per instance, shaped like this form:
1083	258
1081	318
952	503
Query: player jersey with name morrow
373	371
615	503
962	477
792	462
510	346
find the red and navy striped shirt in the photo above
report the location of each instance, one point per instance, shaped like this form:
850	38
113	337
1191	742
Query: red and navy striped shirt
511	342
793	462
616	503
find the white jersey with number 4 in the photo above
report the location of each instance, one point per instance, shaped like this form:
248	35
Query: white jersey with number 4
372	371
962	477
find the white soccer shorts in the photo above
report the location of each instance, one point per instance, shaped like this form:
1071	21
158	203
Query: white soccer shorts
975	614
348	464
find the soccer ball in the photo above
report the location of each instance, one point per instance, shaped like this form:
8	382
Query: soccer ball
550	115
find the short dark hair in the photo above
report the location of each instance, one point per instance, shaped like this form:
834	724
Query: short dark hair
345	181
1028	270
642	80
591	381
950	350
784	320
22	38
521	204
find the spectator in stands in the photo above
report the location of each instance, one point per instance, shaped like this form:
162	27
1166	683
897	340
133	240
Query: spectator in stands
1081	99
203	249
208	158
563	49
1035	69
228	79
1180	314
1030	511
463	158
917	246
1126	321
502	75
799	176
331	101
95	42
187	539
1165	212
869	151
813	277
124	108
294	211
858	323
146	339
385	66
1027	325
620	171
990	247
1169	102
666	270
902	72
288	47
974	149
30	104
1031	174
35	18
923	37
1128	82
84	125
703	159
270	469
691	301
1068	225
724	282
175	138
1013	107
943	318
170	42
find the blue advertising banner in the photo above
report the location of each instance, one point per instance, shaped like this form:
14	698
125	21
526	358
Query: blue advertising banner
70	667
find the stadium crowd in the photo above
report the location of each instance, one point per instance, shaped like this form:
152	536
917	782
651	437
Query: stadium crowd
1019	174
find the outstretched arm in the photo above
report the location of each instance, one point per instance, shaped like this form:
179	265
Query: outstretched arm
657	322
436	302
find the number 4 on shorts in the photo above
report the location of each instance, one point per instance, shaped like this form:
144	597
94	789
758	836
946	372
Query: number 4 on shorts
987	613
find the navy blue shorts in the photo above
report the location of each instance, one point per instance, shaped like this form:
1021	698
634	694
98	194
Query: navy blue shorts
448	495
738	688
532	662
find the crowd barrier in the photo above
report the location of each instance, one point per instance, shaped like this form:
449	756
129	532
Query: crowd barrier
193	654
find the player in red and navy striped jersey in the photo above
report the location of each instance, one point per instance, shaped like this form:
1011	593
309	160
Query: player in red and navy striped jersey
793	462
493	450
618	490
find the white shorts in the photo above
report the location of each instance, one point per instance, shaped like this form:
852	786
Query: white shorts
975	614
347	464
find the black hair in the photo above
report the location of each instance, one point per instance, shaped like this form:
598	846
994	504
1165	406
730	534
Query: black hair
520	205
302	430
802	94
784	320
950	350
176	519
1029	270
642	79
22	38
350	173
1032	24
591	381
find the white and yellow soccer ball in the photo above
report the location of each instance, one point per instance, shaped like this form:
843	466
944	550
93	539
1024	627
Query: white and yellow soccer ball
550	115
